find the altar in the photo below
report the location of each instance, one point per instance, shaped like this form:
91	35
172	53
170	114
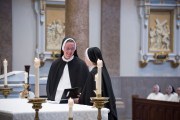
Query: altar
19	109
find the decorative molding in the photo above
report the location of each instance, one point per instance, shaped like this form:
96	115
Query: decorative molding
41	56
40	10
173	47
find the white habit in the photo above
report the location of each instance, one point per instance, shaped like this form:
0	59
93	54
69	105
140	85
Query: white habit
177	98
158	96
64	82
175	94
170	97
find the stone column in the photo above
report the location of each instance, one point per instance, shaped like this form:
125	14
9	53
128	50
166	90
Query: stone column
110	35
77	23
6	33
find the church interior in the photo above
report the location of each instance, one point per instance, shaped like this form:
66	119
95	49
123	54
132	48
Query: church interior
139	41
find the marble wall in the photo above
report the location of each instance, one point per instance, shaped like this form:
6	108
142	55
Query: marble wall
110	35
125	87
77	23
6	33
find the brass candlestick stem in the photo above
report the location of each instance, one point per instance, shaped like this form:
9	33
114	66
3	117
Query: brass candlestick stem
6	91
37	105
99	102
25	93
70	118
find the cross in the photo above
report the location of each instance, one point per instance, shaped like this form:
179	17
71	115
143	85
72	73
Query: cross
159	25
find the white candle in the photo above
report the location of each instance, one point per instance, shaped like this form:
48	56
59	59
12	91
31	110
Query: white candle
36	64
25	76
5	63
96	79
99	65
70	103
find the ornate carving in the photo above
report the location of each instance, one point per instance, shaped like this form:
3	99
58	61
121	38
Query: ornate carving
161	57
6	91
25	93
54	55
175	64
143	64
160	37
41	56
55	35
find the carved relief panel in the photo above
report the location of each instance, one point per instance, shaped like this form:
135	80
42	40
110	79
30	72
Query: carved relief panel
160	34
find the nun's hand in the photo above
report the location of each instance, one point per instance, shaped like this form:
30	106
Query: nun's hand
79	95
76	100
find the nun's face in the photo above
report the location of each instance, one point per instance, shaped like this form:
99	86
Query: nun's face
168	90
178	91
69	49
88	63
156	89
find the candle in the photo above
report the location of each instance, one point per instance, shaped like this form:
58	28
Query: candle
96	79
70	103
99	65
5	63
25	76
36	64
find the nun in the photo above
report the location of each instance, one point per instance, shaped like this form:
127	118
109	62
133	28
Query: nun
173	91
68	71
156	95
170	96
91	56
178	97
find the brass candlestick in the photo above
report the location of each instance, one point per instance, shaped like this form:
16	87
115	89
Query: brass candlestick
99	102
6	91
25	92
37	105
70	118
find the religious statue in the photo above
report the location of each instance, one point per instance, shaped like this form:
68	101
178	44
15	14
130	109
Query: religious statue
160	37
55	35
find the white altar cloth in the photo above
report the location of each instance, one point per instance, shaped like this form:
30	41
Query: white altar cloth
19	109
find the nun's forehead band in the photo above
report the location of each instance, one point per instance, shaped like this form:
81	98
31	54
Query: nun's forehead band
157	86
86	52
66	42
170	87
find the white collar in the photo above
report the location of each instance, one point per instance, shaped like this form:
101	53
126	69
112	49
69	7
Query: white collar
169	94
68	59
92	67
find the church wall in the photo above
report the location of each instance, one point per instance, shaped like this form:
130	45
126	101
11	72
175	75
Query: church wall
130	44
94	23
24	34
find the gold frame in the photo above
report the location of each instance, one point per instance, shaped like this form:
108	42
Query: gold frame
63	6
172	30
161	53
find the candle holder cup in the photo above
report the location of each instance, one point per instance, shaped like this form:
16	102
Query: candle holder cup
37	105
25	93
70	118
6	91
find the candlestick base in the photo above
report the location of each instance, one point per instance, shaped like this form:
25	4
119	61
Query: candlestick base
99	103
25	92
6	91
37	105
70	118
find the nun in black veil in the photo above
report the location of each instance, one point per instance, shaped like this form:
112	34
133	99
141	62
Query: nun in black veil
68	71
91	57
